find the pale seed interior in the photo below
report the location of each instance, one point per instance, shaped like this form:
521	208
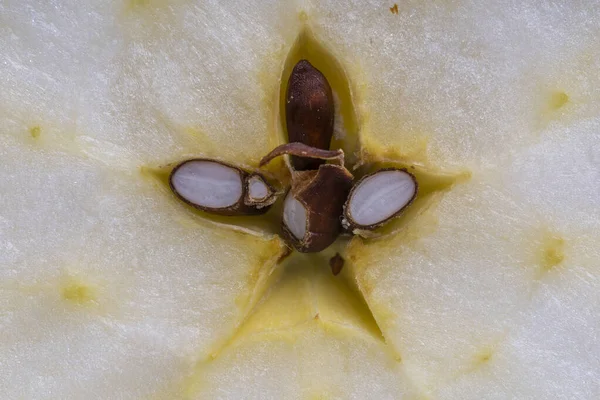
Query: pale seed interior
294	216
257	188
380	196
208	184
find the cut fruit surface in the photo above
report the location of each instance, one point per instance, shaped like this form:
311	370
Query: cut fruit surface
112	288
116	283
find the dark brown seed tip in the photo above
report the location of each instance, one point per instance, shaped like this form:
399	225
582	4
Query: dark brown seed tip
309	111
336	263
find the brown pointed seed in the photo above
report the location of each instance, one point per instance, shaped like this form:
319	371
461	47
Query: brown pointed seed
309	111
379	197
336	263
221	188
313	206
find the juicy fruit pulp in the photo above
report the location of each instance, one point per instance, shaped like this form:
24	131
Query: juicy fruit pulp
113	289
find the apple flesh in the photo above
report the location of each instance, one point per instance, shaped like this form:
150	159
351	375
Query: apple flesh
111	288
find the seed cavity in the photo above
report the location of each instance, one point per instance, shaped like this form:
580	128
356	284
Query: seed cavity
321	200
379	197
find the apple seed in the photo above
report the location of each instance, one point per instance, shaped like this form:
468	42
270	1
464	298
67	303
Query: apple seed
309	112
221	188
379	197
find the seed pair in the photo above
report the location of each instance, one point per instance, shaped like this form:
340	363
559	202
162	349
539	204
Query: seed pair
220	188
322	200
